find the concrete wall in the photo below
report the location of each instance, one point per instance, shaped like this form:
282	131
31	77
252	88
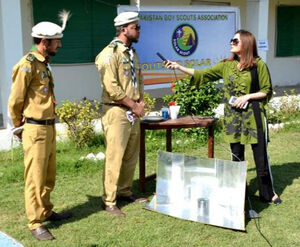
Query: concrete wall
1	67
11	48
284	70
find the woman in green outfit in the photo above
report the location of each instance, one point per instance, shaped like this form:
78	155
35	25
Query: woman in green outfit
246	77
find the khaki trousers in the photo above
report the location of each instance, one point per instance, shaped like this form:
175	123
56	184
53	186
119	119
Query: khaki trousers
122	150
39	147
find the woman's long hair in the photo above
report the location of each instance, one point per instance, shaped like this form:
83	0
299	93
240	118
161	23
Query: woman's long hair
249	53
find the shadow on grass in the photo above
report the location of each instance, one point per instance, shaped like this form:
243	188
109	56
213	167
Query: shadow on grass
283	176
149	191
93	205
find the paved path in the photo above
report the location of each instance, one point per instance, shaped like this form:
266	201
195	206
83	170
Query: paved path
7	241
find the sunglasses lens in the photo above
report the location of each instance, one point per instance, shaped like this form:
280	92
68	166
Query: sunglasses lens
137	27
234	41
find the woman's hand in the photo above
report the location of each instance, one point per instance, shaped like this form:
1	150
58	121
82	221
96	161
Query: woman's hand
171	65
241	101
174	65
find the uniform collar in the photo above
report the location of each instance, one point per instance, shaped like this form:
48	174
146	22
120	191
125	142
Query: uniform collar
39	55
123	46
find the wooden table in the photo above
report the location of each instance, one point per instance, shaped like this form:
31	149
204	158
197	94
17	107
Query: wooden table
182	122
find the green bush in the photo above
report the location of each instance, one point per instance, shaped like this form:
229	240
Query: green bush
288	108
194	101
199	101
79	119
149	103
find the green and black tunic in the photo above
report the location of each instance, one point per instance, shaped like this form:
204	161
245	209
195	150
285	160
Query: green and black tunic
240	125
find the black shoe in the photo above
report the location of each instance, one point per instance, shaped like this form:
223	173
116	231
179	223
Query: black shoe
277	201
132	198
113	209
61	216
42	233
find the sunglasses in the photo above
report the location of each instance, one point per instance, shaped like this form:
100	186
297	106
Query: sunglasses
234	41
136	27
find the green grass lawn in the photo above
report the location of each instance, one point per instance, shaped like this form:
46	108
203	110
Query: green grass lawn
79	186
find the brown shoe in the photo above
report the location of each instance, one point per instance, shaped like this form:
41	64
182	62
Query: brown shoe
57	217
113	209
133	198
42	233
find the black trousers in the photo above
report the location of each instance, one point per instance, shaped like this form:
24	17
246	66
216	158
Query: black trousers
263	169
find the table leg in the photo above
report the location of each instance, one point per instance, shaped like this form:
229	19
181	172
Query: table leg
169	140
210	141
142	178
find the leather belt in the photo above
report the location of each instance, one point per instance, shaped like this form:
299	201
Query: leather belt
42	122
114	104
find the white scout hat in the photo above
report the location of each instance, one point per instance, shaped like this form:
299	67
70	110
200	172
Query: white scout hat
125	18
49	30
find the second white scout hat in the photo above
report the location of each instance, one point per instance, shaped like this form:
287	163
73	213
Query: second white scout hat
49	30
125	18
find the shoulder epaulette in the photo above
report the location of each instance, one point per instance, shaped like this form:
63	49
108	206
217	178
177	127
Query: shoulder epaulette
30	57
113	45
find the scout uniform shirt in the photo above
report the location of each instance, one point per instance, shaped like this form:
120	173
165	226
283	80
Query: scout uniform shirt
32	93
240	125
113	63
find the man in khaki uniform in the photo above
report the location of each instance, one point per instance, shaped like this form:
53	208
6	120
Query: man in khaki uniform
32	103
123	104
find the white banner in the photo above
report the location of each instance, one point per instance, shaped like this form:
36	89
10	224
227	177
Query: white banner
194	36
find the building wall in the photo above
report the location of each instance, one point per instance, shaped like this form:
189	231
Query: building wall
284	70
11	49
1	68
82	80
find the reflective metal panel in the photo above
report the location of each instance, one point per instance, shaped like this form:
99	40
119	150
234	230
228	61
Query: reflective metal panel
211	191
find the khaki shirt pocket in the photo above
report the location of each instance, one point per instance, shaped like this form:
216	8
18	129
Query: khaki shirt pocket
41	88
126	70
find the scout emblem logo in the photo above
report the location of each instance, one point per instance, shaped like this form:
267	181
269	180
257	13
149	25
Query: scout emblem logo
184	40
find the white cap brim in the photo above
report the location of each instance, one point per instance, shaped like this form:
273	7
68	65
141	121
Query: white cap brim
121	23
58	36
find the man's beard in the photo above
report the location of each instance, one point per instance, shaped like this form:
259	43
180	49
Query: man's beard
132	39
52	53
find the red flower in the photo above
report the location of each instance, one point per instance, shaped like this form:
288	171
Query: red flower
172	85
172	103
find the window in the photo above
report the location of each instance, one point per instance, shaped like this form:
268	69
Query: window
88	31
288	31
201	2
